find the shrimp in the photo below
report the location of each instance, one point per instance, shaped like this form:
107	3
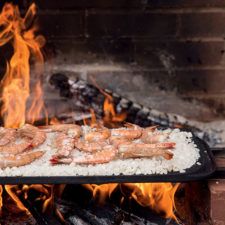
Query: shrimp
72	129
106	155
116	141
131	132
7	135
19	160
90	147
158	145
64	145
36	135
151	138
143	146
14	148
142	150
97	134
55	160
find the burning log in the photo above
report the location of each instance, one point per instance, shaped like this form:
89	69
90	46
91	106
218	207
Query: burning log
87	96
95	214
41	218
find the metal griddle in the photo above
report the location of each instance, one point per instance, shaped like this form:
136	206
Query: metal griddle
197	172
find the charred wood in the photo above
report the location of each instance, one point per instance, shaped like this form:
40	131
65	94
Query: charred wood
87	96
41	218
107	214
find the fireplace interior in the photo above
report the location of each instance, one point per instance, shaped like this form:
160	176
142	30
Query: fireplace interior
162	62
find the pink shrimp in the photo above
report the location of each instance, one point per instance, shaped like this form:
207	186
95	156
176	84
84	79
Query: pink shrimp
19	160
72	129
14	148
153	137
90	147
142	150
131	132
7	135
64	145
97	134
106	155
36	135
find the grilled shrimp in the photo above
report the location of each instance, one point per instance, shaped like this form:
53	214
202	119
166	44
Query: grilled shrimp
142	150
56	160
64	145
90	147
14	148
131	132
153	137
106	155
71	129
97	134
7	135
19	160
116	141
36	135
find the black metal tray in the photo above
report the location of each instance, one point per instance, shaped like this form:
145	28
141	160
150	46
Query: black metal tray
196	172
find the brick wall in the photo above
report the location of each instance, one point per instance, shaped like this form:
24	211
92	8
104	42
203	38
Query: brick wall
181	39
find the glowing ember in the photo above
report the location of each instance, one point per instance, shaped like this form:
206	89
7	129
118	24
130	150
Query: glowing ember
16	81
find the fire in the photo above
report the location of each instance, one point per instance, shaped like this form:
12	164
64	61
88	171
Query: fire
20	32
157	196
54	121
110	115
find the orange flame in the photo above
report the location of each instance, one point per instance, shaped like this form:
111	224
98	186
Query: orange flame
15	93
16	82
54	121
11	190
110	115
15	85
157	196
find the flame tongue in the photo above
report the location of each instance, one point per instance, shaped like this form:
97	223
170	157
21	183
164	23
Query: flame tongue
157	196
16	81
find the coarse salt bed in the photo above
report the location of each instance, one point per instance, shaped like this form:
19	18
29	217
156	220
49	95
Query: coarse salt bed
185	155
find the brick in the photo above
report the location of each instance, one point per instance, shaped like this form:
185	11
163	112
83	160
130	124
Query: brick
91	50
217	201
115	4
62	24
70	51
184	3
202	24
121	24
201	81
182	54
71	4
23	4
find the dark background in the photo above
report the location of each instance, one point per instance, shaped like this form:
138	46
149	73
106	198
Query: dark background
179	44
